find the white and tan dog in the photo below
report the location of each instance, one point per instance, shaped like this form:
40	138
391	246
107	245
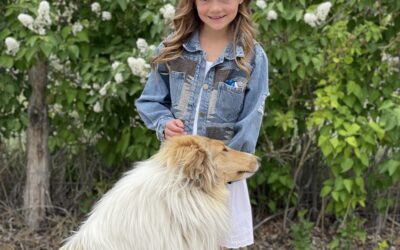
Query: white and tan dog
176	200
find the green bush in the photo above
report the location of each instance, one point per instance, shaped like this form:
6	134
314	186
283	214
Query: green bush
333	116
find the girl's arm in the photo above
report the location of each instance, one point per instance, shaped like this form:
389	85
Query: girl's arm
154	105
247	128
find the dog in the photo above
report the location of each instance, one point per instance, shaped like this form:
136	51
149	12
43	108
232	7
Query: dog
176	200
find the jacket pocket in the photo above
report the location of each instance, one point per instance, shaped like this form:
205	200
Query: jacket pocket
229	102
176	81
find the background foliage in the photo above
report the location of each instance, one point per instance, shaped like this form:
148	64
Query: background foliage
330	139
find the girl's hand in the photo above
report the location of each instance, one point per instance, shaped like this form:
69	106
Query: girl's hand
174	127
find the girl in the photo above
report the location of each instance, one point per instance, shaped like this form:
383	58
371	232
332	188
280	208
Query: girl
211	78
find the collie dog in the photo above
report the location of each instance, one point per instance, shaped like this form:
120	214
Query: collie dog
176	200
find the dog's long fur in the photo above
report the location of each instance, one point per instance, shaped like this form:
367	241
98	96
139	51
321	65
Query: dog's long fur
175	200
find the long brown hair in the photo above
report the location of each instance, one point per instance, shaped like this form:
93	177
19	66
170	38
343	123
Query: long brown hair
186	21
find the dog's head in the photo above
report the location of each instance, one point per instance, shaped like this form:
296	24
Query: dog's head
206	162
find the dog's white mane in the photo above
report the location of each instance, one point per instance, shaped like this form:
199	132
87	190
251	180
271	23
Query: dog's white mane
157	210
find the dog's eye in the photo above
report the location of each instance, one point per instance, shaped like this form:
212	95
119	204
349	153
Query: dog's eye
225	149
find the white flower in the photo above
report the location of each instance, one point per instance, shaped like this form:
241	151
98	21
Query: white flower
103	90
261	4
57	108
74	114
272	15
119	78
97	108
390	59
152	47
96	86
106	16
138	66
21	98
76	28
323	11
26	20
115	65
43	17
41	31
55	63
95	7
142	45
168	11
44	8
311	19
12	46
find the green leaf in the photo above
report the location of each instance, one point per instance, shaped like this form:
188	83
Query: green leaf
335	195
379	131
122	4
326	149
352	129
46	47
360	183
4	33
279	6
83	36
65	32
32	41
354	88
346	165
102	145
348	59
135	88
352	141
123	142
145	15
335	142
390	166
30	53
71	94
74	51
348	184
6	62
325	191
386	105
301	72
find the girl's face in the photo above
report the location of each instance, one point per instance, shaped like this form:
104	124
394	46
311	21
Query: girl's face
217	14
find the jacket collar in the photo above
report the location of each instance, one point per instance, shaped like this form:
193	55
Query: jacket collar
192	44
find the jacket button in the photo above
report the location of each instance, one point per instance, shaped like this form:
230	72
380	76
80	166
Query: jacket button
205	86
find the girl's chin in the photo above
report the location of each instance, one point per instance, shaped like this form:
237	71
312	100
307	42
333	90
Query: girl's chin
214	27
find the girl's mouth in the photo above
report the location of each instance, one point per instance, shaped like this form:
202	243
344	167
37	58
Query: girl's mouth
216	17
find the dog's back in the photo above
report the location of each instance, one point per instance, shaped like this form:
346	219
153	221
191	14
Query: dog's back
155	211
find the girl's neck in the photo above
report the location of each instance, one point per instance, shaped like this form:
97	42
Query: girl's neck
214	42
223	36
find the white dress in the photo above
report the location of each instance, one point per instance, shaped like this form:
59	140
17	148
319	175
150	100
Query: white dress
241	221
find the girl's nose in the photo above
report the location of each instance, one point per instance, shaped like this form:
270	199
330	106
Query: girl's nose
215	6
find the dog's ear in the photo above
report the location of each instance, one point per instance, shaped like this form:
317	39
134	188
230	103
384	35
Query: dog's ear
196	164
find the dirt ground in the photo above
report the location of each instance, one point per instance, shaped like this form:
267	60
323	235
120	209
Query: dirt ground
269	236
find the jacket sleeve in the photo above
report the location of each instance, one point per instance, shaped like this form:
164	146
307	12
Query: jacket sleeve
154	104
247	128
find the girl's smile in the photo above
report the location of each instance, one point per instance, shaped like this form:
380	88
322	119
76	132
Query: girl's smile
217	14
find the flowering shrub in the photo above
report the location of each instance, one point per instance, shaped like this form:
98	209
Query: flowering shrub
98	53
334	92
334	82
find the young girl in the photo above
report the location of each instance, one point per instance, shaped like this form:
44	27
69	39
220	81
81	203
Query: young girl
211	79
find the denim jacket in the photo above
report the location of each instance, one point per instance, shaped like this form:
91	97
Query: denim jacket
231	107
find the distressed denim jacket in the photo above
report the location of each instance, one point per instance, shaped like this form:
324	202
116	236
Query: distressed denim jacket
231	106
